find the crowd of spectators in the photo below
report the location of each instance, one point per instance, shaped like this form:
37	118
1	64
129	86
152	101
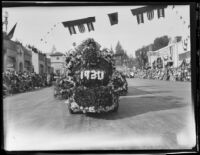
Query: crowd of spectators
169	74
14	82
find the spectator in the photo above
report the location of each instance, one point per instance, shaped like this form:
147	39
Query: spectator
14	82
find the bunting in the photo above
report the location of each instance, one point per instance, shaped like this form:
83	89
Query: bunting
43	39
150	15
90	26
161	12
80	24
185	43
181	17
81	28
72	30
113	18
149	10
140	18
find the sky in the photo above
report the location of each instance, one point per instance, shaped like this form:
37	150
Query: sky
34	23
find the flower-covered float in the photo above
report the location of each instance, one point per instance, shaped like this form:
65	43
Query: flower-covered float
92	83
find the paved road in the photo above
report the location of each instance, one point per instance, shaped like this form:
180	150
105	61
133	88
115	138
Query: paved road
154	115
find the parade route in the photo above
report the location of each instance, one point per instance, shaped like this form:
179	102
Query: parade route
153	115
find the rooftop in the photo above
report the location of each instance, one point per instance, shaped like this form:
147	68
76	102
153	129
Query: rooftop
57	54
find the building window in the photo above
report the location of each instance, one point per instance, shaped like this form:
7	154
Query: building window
57	58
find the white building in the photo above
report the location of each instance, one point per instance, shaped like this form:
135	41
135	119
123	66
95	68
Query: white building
39	62
57	62
174	52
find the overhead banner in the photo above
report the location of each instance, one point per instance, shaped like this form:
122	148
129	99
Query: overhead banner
90	26
81	28
150	15
149	10
113	18
140	18
161	12
80	24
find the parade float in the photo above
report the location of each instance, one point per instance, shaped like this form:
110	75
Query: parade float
92	83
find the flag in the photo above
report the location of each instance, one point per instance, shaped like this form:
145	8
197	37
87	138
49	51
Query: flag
90	26
161	12
140	18
11	33
81	28
185	45
113	18
72	30
150	15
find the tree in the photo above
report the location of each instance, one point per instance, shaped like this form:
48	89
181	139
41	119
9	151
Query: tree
81	46
160	42
132	62
119	49
53	50
141	55
111	49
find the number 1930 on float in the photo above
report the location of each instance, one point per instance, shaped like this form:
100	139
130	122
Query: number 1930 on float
92	74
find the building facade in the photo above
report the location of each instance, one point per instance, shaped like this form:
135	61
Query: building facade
16	57
48	69
27	59
13	56
57	62
174	53
42	63
39	62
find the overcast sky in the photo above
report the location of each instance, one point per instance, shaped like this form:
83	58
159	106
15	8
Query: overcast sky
34	23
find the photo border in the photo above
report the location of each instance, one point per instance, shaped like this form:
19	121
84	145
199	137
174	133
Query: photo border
194	83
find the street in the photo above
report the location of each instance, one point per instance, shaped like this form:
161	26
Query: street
153	115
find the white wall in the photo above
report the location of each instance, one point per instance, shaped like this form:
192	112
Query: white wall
177	48
35	62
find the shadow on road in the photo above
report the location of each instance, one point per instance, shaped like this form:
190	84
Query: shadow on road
131	107
136	91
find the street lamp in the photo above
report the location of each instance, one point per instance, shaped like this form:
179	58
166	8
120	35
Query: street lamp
5	20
